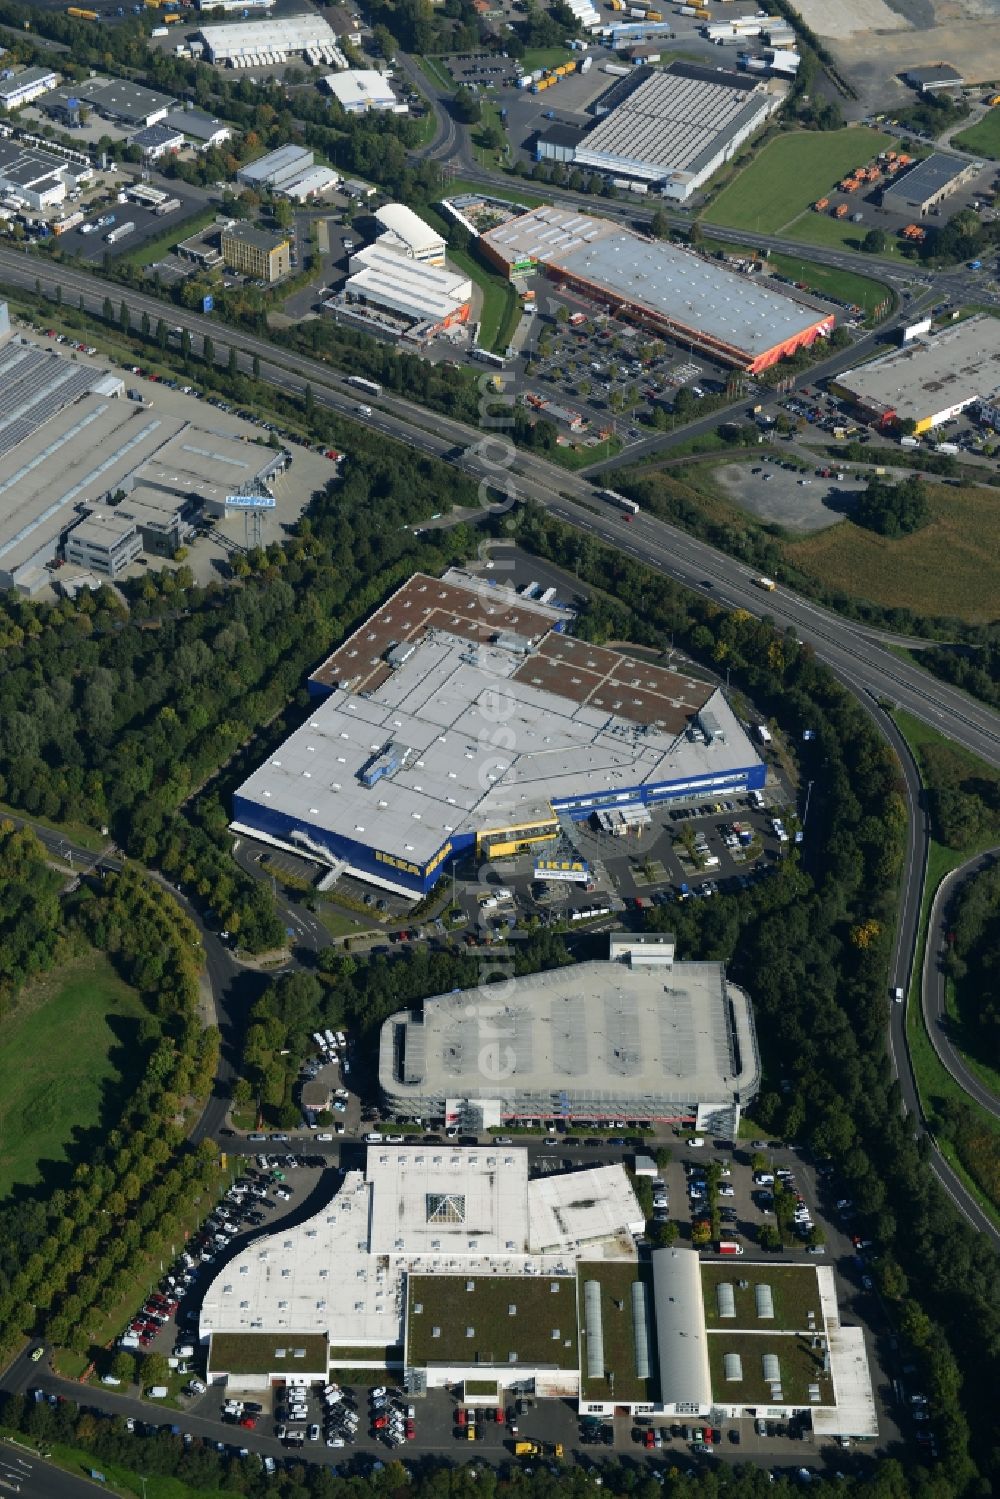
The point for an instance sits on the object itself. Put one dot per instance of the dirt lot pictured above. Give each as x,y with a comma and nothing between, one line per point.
798,501
876,39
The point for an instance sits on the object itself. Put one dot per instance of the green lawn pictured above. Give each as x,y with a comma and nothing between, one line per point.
155,249
69,1042
263,1353
847,286
545,57
984,138
950,567
438,72
789,174
498,299
838,234
794,1293
616,1278
119,1480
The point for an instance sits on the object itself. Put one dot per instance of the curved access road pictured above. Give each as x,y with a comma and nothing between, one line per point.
933,983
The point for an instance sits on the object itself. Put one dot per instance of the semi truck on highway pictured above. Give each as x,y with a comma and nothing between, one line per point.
370,386
629,506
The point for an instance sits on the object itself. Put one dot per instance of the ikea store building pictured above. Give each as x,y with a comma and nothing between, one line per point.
462,716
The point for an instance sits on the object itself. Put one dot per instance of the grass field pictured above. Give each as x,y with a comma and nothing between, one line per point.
983,139
508,194
155,249
837,234
789,175
545,57
498,299
616,1279
950,567
69,1045
847,286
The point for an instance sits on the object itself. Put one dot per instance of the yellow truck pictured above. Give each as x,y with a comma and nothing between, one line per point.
527,1449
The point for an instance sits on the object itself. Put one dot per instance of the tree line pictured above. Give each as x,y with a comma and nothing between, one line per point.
31,931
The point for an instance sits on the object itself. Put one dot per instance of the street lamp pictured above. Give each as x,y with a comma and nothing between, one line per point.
805,812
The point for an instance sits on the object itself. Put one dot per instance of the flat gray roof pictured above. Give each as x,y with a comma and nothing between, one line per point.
438,705
687,290
275,161
930,375
27,76
927,177
116,97
591,1034
675,122
197,124
255,234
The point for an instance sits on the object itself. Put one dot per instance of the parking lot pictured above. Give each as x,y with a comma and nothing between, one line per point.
581,357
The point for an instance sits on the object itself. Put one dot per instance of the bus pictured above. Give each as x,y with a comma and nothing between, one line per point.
370,386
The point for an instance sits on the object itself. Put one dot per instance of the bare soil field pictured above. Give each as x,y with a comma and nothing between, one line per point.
874,40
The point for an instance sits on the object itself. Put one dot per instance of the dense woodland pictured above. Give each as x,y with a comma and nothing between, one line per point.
973,962
30,918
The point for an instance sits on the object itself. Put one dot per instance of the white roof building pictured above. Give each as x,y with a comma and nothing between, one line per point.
361,89
407,234
244,44
437,1209
419,292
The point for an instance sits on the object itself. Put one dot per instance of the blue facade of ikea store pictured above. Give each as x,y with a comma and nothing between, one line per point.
382,864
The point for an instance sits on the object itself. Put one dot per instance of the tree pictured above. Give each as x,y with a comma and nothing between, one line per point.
208,351
875,242
123,1366
768,1237
155,1370
893,509
466,107
660,224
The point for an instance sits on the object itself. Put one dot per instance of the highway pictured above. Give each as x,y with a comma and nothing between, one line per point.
851,649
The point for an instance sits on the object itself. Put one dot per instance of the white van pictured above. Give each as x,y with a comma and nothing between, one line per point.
158,1392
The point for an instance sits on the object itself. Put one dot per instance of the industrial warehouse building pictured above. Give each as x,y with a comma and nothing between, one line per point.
927,183
41,179
289,172
360,90
636,1037
930,379
69,446
21,88
422,298
408,234
454,1268
261,44
673,292
202,131
113,99
396,771
674,128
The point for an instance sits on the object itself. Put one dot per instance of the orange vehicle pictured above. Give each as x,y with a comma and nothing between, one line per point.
820,204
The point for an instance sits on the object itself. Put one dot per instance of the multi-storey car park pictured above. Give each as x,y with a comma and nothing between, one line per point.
637,1037
462,718
454,1268
673,292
